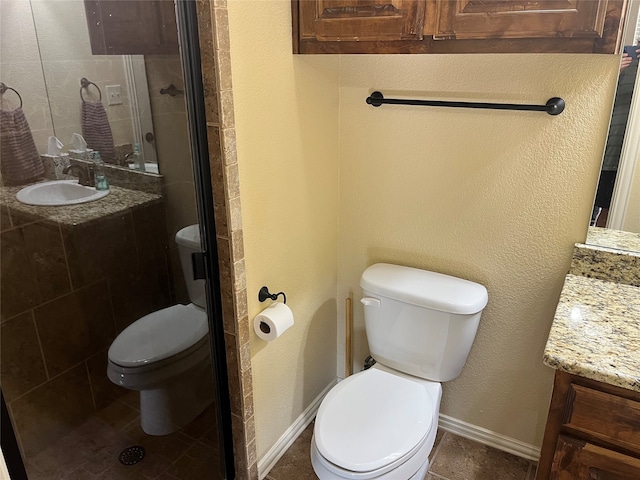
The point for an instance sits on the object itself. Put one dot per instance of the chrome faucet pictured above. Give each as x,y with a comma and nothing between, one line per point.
85,174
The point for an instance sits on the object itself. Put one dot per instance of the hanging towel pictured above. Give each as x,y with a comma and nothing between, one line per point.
19,158
97,131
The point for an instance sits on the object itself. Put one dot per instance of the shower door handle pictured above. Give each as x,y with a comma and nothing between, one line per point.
199,265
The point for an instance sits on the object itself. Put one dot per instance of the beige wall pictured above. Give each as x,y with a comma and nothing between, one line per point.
496,197
65,51
59,52
286,112
21,69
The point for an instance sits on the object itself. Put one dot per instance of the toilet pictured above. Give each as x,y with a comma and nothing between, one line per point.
381,423
166,354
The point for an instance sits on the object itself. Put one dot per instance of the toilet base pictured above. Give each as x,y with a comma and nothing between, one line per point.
166,409
421,474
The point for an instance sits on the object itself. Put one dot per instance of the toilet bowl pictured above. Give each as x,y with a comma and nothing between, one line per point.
377,424
166,356
381,423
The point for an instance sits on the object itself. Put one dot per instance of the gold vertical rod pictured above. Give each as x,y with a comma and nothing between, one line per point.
348,369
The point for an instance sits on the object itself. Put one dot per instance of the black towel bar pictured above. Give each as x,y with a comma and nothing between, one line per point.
554,106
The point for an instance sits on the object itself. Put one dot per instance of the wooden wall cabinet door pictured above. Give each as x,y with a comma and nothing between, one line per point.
579,460
132,27
361,20
457,26
482,19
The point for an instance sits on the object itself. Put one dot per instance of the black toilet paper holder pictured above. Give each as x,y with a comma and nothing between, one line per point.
264,293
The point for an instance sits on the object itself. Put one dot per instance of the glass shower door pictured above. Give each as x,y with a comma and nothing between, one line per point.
78,279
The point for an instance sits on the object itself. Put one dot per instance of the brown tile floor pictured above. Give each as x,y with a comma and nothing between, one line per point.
90,451
452,458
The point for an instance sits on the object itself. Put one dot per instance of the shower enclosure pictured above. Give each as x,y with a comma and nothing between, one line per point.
73,277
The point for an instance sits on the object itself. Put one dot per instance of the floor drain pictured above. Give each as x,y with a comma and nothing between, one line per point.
131,455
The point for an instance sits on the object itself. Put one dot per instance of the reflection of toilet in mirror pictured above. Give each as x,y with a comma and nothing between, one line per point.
166,354
381,423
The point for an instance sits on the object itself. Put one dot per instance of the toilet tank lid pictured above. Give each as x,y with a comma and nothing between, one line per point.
424,288
189,237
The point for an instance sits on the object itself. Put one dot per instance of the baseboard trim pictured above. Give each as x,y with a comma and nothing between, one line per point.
487,437
275,453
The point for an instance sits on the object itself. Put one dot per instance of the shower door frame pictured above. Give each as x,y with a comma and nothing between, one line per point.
188,37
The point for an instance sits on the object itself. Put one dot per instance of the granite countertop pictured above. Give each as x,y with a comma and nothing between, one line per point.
613,239
596,329
606,262
118,201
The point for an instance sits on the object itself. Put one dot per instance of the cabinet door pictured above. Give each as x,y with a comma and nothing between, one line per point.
132,27
361,20
604,417
482,19
578,460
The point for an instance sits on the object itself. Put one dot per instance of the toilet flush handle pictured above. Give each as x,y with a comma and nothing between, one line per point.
371,302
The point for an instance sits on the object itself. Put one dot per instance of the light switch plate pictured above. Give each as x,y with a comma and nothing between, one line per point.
114,95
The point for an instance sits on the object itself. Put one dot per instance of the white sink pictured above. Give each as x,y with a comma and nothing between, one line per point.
58,193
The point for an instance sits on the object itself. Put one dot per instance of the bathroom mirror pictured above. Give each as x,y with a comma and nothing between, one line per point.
616,209
129,86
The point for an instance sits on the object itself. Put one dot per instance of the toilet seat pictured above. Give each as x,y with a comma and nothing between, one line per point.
374,421
159,335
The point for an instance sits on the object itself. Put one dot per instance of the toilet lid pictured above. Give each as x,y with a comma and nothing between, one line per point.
159,335
371,420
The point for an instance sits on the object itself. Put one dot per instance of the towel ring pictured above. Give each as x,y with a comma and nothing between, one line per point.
85,84
4,88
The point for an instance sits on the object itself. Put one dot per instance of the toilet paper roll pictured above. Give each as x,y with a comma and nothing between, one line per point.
273,321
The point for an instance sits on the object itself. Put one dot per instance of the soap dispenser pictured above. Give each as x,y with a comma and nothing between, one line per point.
138,159
98,171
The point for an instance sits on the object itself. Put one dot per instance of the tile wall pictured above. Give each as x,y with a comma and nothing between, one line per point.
67,291
216,72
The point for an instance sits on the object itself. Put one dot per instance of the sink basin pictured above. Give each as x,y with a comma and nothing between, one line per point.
58,193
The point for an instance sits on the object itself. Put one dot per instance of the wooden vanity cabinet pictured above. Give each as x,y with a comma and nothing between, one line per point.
132,27
579,460
592,432
457,26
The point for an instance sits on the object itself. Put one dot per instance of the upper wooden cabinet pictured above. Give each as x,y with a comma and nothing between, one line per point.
480,19
362,20
457,26
132,27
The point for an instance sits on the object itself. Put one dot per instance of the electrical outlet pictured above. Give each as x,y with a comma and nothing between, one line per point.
114,95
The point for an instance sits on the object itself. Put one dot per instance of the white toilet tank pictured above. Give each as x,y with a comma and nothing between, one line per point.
188,240
420,322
